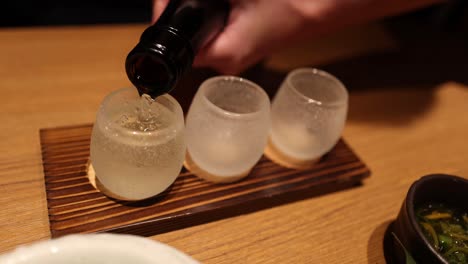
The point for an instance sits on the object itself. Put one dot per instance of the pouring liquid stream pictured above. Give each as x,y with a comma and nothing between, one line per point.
144,117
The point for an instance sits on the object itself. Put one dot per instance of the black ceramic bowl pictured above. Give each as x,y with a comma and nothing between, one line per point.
434,188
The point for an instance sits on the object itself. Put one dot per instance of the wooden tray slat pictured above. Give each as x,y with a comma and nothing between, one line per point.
75,206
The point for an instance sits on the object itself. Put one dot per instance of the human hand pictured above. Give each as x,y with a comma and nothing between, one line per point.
256,28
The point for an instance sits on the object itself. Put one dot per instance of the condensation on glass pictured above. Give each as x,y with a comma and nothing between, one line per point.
227,128
308,115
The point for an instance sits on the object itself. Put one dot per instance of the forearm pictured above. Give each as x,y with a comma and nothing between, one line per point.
329,15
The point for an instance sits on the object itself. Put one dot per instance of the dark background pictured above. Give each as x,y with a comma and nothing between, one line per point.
66,12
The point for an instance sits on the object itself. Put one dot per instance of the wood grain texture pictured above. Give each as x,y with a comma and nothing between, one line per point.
75,206
407,118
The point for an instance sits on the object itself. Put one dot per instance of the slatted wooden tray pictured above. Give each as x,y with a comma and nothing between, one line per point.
75,206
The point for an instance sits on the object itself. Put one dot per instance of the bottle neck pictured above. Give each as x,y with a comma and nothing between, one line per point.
158,61
166,50
198,21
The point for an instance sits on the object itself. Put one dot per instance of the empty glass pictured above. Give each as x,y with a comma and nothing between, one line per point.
308,115
227,128
137,145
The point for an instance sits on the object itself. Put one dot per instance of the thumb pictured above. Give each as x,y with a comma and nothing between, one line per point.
237,46
158,8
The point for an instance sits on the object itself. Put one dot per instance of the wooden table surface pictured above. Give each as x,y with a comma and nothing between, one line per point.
408,117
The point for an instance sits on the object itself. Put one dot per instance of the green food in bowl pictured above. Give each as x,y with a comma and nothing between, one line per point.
446,229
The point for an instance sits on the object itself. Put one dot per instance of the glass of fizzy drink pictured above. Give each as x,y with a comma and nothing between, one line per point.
137,144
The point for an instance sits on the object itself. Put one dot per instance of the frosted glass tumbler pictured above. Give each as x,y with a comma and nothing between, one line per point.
136,157
308,115
227,128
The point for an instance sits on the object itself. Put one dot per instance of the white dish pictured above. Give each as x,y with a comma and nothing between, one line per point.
97,248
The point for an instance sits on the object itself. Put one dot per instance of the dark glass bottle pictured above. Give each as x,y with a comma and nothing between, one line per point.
166,50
